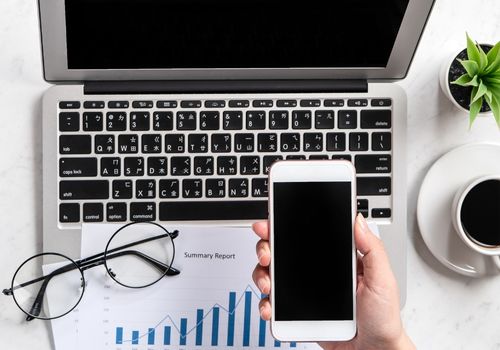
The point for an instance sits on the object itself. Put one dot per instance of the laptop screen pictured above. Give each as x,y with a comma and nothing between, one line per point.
162,34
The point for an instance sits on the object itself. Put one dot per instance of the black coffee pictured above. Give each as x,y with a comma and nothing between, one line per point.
480,214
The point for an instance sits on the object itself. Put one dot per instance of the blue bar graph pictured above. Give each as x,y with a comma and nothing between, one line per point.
119,335
199,327
135,337
183,334
231,318
151,336
246,318
166,335
293,345
277,344
262,333
215,326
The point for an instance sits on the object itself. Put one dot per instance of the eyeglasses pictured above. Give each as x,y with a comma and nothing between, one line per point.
136,256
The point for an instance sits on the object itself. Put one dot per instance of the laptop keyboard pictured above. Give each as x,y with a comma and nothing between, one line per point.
178,160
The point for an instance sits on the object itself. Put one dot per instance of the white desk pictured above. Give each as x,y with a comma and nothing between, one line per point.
443,311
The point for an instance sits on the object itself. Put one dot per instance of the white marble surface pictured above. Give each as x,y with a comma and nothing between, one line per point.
443,311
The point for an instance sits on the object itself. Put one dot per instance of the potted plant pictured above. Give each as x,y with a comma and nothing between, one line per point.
471,80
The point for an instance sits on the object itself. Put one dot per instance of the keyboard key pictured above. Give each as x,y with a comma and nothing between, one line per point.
363,207
69,121
142,104
145,189
213,210
110,166
93,104
174,143
118,104
295,157
157,166
83,189
145,211
342,157
191,104
215,188
198,143
151,143
374,186
75,144
104,144
93,212
278,120
381,213
204,166
163,121
166,104
238,188
267,142
260,187
227,165
232,120
139,121
301,119
77,167
116,121
69,212
310,103
128,143
180,166
92,121
133,166
122,189
373,163
334,103
192,188
69,105
221,143
249,165
376,119
239,103
262,103
290,142
268,161
335,142
348,119
381,141
381,102
215,104
358,141
186,121
256,120
324,120
169,188
286,103
244,142
313,142
358,102
116,212
318,157
209,120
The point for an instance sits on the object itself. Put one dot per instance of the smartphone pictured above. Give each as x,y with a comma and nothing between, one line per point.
313,258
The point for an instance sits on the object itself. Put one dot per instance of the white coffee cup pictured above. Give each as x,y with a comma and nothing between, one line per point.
456,209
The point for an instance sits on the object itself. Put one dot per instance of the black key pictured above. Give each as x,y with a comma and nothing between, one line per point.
93,104
221,143
238,188
118,104
166,104
191,104
358,141
116,121
335,142
267,142
110,166
186,120
334,103
250,165
363,207
215,104
227,165
139,121
133,166
260,187
142,104
145,189
286,103
373,163
122,189
232,120
374,186
93,212
213,210
192,188
77,167
116,212
324,120
157,166
169,188
376,119
180,166
313,142
381,102
244,142
203,166
348,119
84,189
92,121
151,143
290,142
209,120
104,144
301,119
268,161
239,103
342,157
295,157
163,121
69,105
357,102
128,143
75,144
145,211
69,121
381,213
256,120
310,103
381,141
215,188
198,143
318,157
174,143
278,120
69,212
262,103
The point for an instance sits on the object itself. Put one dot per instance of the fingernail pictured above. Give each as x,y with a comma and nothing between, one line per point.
260,254
362,223
261,285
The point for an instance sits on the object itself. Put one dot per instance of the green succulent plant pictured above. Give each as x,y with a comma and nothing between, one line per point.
483,75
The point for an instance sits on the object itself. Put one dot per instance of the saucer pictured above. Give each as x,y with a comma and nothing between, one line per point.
448,174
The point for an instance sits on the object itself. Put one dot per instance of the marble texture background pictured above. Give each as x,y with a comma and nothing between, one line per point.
443,311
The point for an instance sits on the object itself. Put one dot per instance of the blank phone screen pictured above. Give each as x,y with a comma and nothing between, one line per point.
312,251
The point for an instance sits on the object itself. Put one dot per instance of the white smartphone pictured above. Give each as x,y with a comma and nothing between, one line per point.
312,206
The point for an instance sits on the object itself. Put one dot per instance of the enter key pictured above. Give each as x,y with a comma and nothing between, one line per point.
373,164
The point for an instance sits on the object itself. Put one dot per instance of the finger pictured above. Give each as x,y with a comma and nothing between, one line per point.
265,309
261,279
263,252
261,229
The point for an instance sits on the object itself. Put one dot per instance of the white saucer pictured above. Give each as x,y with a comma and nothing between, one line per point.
446,176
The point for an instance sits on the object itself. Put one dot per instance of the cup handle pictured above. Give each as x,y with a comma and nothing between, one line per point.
496,260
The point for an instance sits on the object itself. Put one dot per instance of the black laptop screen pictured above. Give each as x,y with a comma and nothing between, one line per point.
155,34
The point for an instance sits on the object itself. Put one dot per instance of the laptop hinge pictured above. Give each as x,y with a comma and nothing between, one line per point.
224,86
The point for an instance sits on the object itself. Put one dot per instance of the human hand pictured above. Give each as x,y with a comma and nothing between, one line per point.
377,295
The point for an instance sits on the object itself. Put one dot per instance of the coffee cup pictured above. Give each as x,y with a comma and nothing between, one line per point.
476,215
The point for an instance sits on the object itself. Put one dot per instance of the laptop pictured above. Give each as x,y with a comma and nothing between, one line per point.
173,111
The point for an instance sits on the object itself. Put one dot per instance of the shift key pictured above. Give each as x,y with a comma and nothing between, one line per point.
374,186
91,189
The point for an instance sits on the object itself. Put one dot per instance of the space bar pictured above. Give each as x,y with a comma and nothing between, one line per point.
214,210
